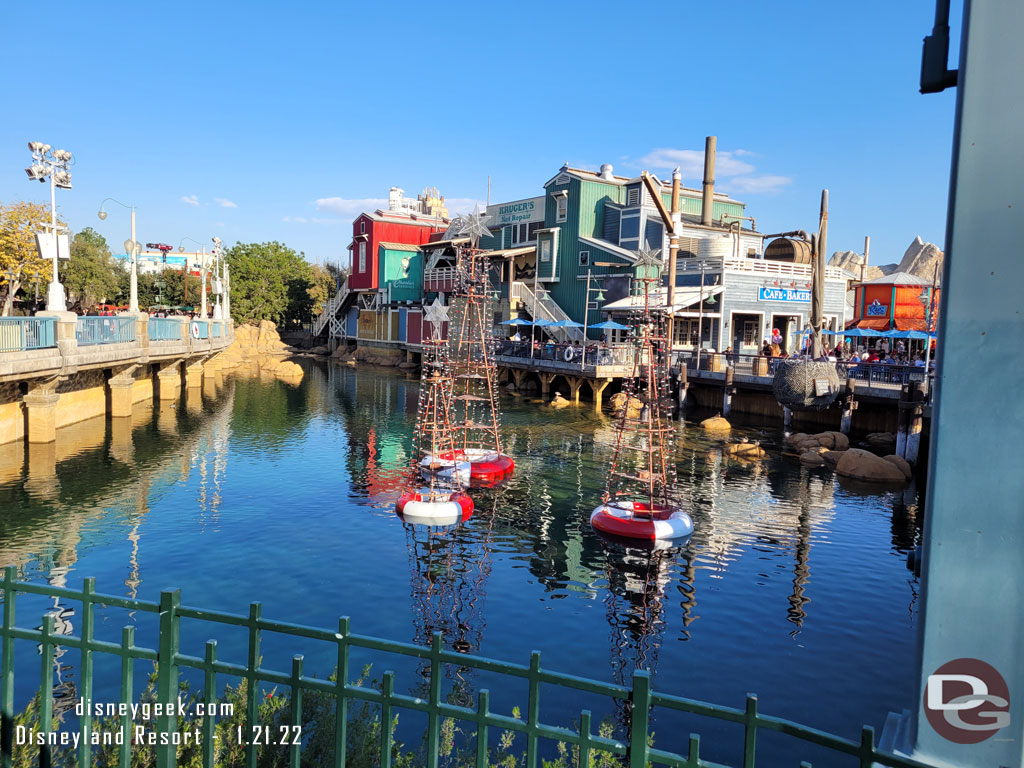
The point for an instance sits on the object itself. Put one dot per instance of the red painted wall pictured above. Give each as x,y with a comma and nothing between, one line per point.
378,232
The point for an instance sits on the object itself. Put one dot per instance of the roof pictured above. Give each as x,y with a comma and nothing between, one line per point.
870,324
401,217
589,175
399,246
897,278
509,253
685,296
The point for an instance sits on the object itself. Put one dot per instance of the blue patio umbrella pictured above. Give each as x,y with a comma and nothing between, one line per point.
567,324
611,325
859,333
542,323
516,321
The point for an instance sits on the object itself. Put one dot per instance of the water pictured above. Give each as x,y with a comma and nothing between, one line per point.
793,585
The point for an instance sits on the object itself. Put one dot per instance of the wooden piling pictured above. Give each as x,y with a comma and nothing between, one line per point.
915,420
728,391
904,422
849,406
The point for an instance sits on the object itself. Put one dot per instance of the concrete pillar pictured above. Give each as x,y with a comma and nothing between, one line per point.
849,406
169,382
42,414
121,392
598,386
545,382
915,419
575,382
194,375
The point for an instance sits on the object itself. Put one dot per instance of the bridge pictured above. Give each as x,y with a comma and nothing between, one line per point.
57,368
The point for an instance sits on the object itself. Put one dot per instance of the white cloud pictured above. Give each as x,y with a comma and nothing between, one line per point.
738,175
190,199
691,162
758,185
225,203
349,208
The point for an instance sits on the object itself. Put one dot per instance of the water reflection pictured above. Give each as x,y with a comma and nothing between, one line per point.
303,480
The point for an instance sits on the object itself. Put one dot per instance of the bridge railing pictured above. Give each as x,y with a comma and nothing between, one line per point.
570,355
104,330
165,328
20,334
477,727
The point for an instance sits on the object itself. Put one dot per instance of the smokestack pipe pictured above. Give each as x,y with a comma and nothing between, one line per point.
867,251
709,179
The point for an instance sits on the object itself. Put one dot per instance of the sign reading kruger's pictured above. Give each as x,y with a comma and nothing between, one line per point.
783,294
516,212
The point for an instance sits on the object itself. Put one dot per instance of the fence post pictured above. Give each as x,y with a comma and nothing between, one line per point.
7,674
640,718
167,674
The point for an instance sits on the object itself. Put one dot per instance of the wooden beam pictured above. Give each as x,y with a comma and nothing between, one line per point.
670,225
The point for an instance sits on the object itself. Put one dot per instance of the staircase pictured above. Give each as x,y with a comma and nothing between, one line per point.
546,309
329,317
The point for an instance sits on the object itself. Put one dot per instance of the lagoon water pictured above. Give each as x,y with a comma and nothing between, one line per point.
793,586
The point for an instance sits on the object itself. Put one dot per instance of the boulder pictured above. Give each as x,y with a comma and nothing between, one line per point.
864,465
321,350
632,405
558,401
743,450
716,424
812,459
883,442
832,457
801,442
289,371
511,387
903,464
407,366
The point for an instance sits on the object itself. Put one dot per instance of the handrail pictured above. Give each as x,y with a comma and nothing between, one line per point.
636,743
21,334
91,330
330,309
547,308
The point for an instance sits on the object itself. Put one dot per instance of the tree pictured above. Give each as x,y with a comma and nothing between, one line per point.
269,281
322,287
20,262
92,275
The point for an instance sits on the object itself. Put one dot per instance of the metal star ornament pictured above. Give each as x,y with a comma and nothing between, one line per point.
647,257
475,226
454,228
435,313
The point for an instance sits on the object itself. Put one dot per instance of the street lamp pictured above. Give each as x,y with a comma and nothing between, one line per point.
132,249
218,272
53,164
926,303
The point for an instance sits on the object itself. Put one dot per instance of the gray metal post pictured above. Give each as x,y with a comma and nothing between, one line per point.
973,607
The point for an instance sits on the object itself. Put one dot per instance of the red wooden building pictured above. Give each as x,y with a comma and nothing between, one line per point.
893,302
369,230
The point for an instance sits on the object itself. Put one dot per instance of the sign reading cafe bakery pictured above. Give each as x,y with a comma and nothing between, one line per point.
517,212
784,294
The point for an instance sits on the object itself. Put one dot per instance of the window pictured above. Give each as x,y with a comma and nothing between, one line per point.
633,196
653,234
751,253
523,228
629,228
545,250
362,257
562,202
584,258
362,226
531,230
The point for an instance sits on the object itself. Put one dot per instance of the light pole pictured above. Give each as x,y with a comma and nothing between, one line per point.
132,249
53,164
926,303
218,272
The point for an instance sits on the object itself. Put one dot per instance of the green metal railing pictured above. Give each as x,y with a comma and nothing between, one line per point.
634,751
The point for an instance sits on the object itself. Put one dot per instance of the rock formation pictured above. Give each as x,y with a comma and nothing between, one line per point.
866,466
920,259
716,424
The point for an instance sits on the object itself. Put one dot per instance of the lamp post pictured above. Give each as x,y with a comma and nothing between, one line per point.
132,249
926,303
218,272
53,164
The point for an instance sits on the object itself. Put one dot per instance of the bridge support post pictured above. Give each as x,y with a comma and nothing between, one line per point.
121,397
575,382
915,419
903,423
684,385
545,381
849,406
41,404
194,375
169,381
598,386
728,391
41,475
518,377
121,447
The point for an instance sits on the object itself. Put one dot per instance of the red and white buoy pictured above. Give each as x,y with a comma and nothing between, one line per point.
434,507
637,520
477,466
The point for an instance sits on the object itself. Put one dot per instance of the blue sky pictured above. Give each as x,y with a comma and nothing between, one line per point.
272,121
